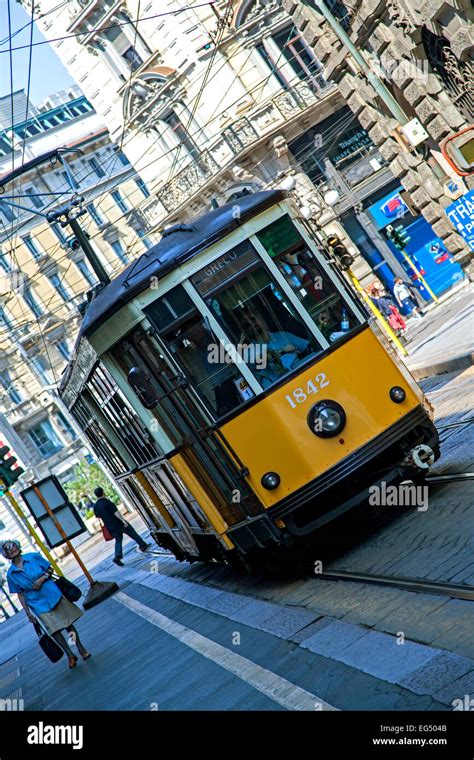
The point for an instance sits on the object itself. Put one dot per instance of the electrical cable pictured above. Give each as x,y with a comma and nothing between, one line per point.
110,26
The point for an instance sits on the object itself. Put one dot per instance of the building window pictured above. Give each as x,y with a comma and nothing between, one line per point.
7,211
300,56
5,319
118,250
121,203
133,58
65,425
95,214
142,186
85,271
455,75
32,302
96,167
145,240
34,197
45,439
43,367
122,158
63,349
59,232
60,287
5,261
175,124
7,384
66,179
32,246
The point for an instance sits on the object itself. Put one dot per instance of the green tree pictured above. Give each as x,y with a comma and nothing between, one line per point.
87,477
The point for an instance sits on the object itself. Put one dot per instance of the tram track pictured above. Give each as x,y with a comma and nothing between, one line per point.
418,585
450,477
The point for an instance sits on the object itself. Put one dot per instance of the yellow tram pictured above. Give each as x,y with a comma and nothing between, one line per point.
236,389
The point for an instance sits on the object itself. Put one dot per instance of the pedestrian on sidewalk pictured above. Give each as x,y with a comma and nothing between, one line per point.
116,524
405,298
29,576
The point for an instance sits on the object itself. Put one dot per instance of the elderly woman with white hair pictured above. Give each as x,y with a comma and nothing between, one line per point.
29,576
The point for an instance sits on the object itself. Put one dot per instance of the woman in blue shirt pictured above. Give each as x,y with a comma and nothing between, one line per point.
29,576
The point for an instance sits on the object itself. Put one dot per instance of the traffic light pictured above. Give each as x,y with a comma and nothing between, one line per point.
340,252
397,236
8,475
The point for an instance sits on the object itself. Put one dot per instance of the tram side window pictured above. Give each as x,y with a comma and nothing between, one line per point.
308,280
254,311
198,352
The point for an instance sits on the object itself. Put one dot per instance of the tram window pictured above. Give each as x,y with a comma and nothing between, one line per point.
324,303
269,334
213,374
170,308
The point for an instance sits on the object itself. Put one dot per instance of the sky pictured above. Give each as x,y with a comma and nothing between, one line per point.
48,75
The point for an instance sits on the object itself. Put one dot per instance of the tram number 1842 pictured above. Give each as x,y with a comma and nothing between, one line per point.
300,395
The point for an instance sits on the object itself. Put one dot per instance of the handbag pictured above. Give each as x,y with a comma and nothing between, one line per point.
106,533
68,589
49,646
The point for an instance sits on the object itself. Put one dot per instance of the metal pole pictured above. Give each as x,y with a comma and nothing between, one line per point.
418,273
377,313
91,255
380,88
33,533
63,535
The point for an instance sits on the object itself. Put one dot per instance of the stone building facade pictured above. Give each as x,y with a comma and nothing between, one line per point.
43,280
422,49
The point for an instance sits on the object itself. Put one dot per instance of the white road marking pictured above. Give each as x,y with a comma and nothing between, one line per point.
275,687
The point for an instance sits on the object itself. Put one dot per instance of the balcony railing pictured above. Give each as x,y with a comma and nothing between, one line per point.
236,138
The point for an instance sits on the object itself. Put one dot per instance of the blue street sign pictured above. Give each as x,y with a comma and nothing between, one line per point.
461,216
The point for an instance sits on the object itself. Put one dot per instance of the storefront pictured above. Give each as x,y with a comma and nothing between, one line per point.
424,249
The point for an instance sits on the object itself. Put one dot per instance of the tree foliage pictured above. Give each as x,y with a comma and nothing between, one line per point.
86,478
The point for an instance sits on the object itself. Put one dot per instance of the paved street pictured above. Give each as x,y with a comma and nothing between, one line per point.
444,339
180,636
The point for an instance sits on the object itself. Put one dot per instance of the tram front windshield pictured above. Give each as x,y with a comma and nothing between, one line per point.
274,314
256,314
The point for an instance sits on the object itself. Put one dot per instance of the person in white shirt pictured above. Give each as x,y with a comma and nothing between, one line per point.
404,298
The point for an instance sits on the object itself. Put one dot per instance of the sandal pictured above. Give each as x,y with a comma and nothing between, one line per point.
86,655
72,661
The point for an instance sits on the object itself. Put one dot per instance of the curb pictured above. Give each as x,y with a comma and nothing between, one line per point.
464,361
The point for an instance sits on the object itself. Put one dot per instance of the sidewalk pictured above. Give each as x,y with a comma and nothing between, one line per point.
443,341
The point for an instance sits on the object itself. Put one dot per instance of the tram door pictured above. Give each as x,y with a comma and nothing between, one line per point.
178,502
162,387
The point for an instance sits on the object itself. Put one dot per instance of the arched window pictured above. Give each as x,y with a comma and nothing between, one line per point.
456,75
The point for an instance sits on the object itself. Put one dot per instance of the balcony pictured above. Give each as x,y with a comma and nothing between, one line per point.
233,142
90,12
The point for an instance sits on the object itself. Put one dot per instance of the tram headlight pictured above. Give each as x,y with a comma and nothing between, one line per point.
397,394
271,480
326,419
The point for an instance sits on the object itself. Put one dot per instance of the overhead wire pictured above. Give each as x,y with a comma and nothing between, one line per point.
106,27
335,128
262,82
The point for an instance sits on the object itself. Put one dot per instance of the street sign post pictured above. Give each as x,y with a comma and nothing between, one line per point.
60,511
461,215
60,522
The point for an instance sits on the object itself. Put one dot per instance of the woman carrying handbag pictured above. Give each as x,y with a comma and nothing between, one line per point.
29,576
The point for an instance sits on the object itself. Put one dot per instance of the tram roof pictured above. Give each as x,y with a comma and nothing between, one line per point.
178,244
